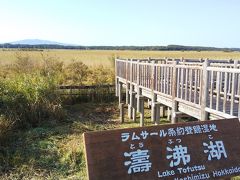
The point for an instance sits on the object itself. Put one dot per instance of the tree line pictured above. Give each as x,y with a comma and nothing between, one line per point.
27,47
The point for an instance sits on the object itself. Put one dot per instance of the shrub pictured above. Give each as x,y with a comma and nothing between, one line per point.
27,99
76,73
50,66
101,75
23,64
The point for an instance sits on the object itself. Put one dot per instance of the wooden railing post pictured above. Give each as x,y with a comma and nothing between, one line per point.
141,111
161,109
174,92
149,59
116,78
234,87
134,107
154,96
166,60
130,106
127,84
120,92
168,113
157,113
121,107
138,84
204,91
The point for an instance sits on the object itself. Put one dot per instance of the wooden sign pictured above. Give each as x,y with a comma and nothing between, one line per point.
195,150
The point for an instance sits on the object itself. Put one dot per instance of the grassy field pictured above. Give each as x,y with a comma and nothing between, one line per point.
100,57
53,149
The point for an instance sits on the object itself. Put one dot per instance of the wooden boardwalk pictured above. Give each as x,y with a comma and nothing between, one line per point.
203,89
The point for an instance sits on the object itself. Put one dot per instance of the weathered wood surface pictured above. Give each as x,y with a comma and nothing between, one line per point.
97,93
119,154
211,87
86,87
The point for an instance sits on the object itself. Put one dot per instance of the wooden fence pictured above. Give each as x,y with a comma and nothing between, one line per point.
96,93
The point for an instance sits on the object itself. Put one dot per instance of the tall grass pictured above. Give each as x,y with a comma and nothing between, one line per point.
28,99
28,88
100,57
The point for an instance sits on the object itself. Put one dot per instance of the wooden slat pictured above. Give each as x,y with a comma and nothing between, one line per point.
178,82
161,78
156,79
182,85
238,80
229,83
167,90
201,81
85,87
225,92
174,89
211,89
190,89
195,86
144,75
223,69
219,113
164,80
221,81
170,83
232,94
149,76
186,84
239,98
218,90
189,67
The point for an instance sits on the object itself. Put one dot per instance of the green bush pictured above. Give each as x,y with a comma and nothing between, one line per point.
28,99
76,73
50,66
101,75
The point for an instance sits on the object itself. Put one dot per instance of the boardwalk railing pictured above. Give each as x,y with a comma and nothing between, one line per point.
204,89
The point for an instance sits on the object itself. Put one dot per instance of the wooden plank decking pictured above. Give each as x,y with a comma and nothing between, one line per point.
203,89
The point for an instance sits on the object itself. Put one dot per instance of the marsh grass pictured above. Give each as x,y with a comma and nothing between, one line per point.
28,99
103,57
51,147
52,150
55,150
28,88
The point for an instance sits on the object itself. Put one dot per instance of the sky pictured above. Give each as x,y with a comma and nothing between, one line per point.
123,22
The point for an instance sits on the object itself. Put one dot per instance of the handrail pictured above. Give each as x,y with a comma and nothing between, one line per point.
208,83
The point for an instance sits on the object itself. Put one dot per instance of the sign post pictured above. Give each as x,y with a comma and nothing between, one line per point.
187,151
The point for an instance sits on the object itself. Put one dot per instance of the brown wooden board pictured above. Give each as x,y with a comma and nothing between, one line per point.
194,150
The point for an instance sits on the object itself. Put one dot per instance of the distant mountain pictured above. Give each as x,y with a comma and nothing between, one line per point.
37,42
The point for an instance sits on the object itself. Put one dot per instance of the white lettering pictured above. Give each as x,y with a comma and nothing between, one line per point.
192,169
166,173
226,172
198,176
